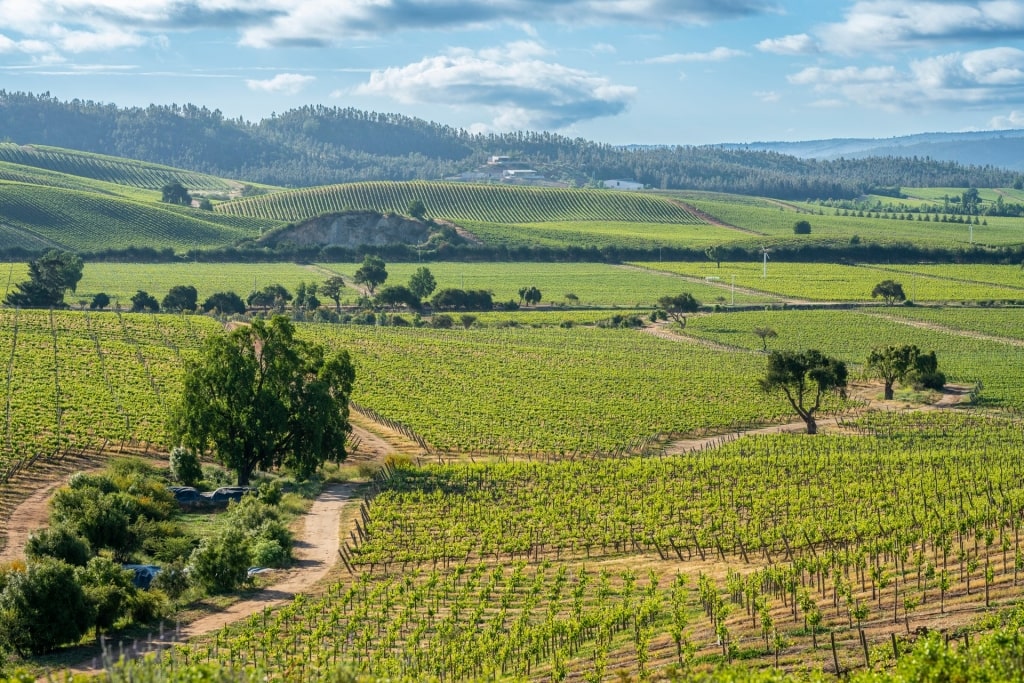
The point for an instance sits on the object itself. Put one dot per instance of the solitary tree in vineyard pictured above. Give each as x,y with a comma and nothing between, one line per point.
262,398
890,291
371,273
678,306
801,375
892,364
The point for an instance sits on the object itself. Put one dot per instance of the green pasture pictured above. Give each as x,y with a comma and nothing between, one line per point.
834,282
850,336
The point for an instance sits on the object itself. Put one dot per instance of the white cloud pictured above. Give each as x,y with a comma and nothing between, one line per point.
1015,119
797,44
981,77
878,24
767,96
281,84
719,54
603,48
325,22
520,89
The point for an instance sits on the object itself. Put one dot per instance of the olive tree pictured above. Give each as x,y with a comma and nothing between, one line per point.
890,291
261,398
892,364
804,378
677,307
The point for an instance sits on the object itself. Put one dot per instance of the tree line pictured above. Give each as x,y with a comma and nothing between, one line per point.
316,145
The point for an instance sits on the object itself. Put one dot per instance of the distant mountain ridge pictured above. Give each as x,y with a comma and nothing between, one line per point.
317,145
999,148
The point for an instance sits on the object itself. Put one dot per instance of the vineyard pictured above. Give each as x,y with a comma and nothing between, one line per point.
75,380
109,169
604,234
775,220
459,201
37,216
580,570
834,282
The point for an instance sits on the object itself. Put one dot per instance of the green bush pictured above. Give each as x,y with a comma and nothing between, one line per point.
185,467
59,543
172,580
44,607
220,563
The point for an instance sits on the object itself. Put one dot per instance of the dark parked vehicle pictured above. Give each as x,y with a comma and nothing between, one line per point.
144,574
185,495
227,493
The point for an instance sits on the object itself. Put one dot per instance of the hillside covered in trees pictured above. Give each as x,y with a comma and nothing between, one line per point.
316,145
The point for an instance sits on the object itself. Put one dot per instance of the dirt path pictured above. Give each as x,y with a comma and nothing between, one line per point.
316,551
728,287
31,515
663,331
935,327
711,220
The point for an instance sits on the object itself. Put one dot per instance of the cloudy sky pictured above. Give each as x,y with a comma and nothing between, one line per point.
617,71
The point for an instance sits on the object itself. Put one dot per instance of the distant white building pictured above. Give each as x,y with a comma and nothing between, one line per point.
623,185
498,160
521,174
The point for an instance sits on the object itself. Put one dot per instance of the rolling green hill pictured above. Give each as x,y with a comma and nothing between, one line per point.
116,170
465,202
38,217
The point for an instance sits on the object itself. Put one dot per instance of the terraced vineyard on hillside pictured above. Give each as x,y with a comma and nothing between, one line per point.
111,169
40,217
458,201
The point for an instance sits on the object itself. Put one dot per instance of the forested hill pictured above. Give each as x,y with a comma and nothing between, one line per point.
317,145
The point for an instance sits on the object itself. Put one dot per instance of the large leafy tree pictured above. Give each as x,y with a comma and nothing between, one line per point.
804,377
373,272
49,277
893,364
260,398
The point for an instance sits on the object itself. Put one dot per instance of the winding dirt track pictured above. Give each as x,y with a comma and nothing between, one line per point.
316,551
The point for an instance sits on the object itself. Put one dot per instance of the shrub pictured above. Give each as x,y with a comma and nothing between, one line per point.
220,563
802,228
59,543
44,607
185,467
172,580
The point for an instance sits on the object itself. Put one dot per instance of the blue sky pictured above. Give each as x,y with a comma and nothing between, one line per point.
617,71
